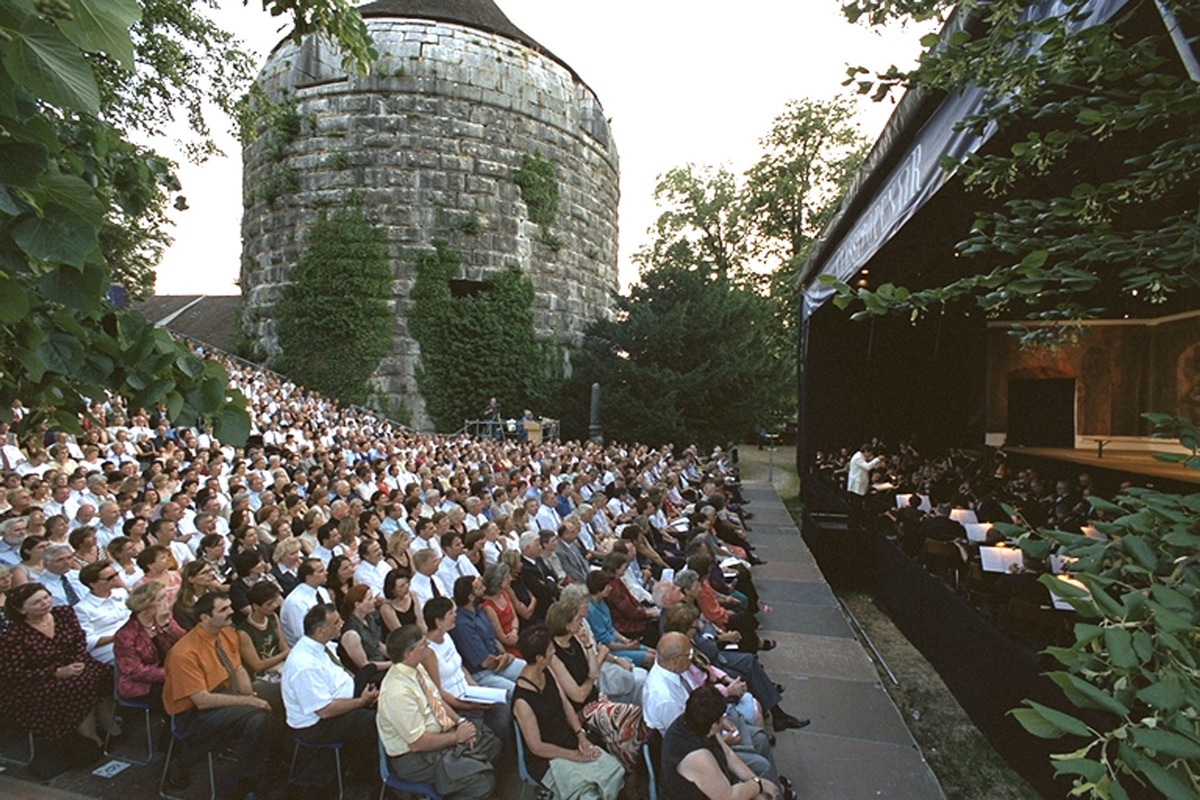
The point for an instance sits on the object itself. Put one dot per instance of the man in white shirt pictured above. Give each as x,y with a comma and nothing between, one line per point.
61,502
59,579
858,479
475,519
109,523
547,517
308,592
102,610
426,538
425,584
318,696
455,563
371,569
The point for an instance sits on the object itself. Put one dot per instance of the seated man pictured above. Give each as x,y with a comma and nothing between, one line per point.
473,635
102,610
424,739
318,695
210,695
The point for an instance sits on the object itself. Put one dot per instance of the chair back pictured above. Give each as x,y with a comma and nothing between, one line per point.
392,781
522,770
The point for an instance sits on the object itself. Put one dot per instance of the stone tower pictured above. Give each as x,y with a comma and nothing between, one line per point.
429,143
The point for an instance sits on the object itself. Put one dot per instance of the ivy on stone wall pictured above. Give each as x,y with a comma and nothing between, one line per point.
478,344
539,189
333,320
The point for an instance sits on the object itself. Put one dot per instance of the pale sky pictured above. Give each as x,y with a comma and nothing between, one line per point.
683,82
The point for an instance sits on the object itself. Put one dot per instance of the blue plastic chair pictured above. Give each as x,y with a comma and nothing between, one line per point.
336,747
527,780
652,782
138,706
393,781
176,736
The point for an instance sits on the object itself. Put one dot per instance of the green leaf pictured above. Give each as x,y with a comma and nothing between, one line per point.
1100,504
1048,723
102,26
41,60
1119,643
1142,553
1084,694
61,353
58,235
14,302
1092,770
232,426
20,163
79,291
1164,695
74,193
1035,259
1162,741
1162,779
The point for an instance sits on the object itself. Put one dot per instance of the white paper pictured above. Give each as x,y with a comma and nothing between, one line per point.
999,559
485,694
963,515
902,502
978,531
111,769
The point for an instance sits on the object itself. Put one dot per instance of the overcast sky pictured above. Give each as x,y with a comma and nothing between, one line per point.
683,82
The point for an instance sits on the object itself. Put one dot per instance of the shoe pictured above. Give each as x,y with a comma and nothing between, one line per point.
779,687
783,722
785,782
771,741
176,776
767,644
756,561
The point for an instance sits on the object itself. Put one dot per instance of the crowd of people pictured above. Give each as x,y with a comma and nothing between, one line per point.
342,579
920,500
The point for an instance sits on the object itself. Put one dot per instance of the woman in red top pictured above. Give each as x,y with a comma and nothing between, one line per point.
631,619
497,579
141,644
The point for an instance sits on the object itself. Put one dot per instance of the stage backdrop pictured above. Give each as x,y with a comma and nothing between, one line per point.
1119,369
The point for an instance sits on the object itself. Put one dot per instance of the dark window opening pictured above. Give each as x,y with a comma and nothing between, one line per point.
465,288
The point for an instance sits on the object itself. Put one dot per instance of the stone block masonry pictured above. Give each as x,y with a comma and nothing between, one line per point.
428,143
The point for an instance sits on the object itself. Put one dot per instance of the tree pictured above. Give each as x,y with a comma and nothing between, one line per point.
1126,226
333,318
690,357
67,169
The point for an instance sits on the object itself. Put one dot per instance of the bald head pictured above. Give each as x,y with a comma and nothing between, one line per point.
674,652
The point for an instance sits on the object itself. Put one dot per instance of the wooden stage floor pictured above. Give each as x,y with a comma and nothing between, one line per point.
1133,462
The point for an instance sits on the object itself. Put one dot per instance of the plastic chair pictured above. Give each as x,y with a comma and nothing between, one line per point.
336,747
139,706
176,736
652,780
392,781
527,780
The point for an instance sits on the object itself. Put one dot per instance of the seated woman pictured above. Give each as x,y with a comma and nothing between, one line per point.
444,664
51,686
31,567
619,726
141,644
340,579
122,551
697,764
557,750
83,542
362,646
524,603
500,610
261,643
155,562
198,580
634,621
599,617
400,606
619,678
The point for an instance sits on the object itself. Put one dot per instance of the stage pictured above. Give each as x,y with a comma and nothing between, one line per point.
1110,469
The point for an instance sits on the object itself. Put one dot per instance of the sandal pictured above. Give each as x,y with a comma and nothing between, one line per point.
767,644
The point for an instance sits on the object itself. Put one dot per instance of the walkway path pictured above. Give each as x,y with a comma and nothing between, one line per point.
857,746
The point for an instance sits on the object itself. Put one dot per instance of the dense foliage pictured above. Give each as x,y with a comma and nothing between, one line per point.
1124,223
692,356
80,202
333,319
478,345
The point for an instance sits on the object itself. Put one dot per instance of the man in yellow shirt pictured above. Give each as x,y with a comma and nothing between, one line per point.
424,738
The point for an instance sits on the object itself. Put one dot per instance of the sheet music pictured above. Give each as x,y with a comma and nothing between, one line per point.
999,559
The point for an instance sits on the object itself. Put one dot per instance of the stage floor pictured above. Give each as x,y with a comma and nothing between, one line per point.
1134,462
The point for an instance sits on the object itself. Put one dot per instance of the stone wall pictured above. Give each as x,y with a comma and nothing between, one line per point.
429,143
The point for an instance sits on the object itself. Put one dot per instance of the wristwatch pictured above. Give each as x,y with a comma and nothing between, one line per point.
758,780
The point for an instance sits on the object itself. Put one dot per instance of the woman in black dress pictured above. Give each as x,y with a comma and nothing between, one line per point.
696,762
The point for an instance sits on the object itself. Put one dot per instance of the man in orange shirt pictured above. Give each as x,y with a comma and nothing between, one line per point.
212,699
